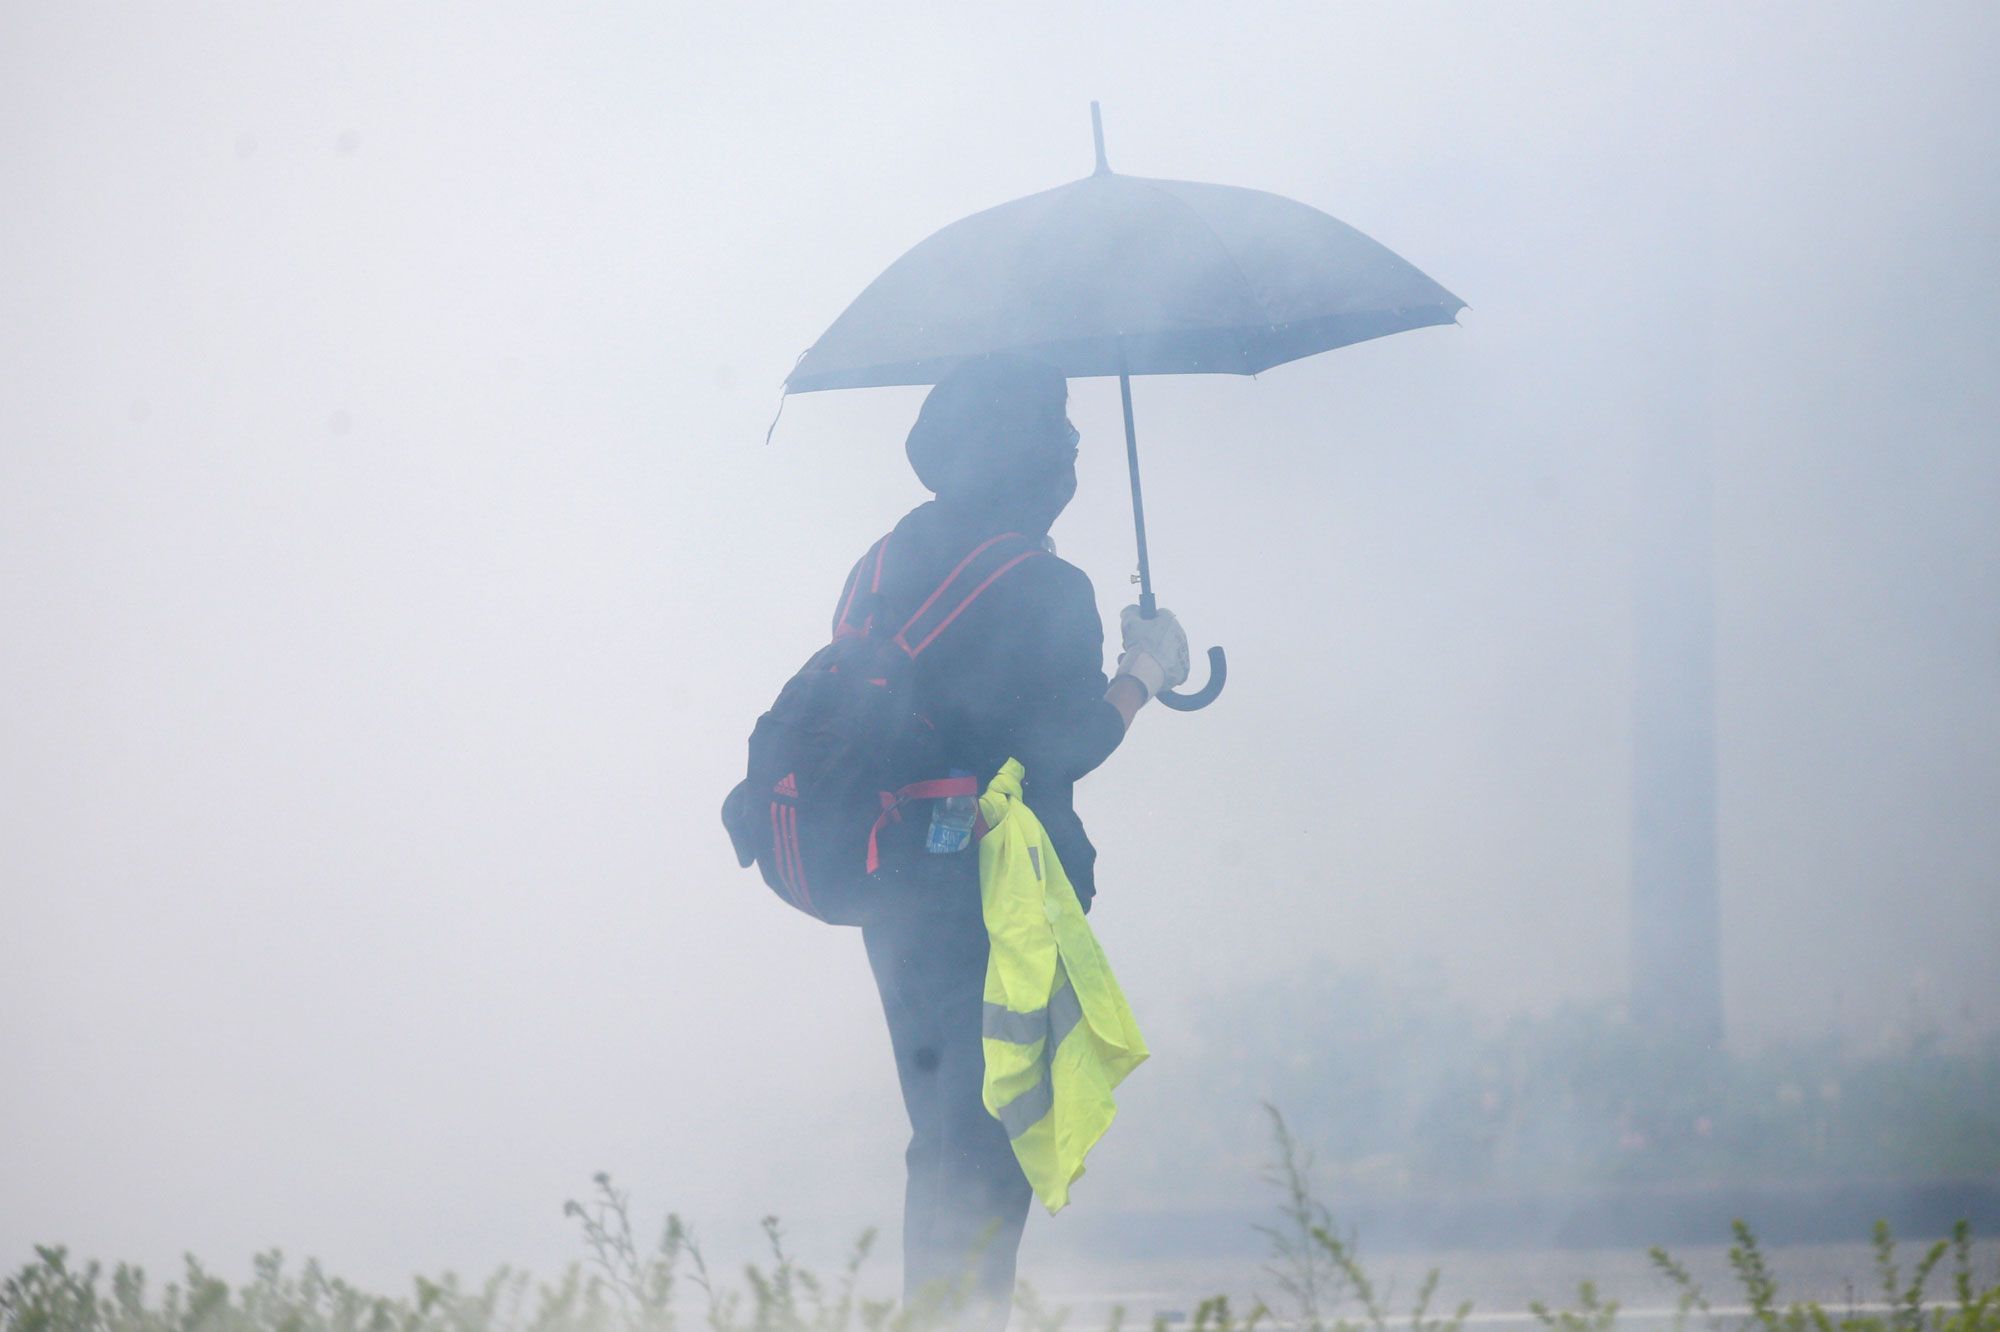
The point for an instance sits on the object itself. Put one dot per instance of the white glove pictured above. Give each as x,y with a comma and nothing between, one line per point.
1156,650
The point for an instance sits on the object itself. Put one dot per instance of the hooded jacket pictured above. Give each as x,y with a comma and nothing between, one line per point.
1019,675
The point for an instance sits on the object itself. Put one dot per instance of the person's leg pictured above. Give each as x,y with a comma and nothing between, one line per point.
985,1196
967,1201
894,955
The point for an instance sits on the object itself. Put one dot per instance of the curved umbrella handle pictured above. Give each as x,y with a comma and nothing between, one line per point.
1218,675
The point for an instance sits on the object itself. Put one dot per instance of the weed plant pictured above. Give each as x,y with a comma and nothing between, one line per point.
626,1286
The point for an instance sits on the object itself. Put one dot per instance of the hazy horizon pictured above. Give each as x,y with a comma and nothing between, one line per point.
394,565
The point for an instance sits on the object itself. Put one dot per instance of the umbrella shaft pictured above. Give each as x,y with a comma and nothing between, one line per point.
1146,604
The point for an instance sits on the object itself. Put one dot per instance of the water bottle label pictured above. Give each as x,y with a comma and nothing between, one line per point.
951,822
946,839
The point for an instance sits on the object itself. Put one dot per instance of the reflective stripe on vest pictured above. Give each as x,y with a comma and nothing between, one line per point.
1052,1026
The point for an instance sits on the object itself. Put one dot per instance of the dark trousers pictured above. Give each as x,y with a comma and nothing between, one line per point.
966,1201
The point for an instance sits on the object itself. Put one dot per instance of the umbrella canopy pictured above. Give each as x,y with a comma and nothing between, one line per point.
1119,273
1122,275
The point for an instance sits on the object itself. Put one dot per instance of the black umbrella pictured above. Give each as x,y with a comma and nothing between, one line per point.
1123,275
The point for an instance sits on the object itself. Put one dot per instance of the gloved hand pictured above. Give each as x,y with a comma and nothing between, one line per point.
1156,650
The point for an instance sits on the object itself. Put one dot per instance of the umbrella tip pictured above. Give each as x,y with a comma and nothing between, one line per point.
1097,133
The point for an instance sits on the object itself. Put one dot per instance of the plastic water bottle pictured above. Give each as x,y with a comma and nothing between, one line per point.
951,822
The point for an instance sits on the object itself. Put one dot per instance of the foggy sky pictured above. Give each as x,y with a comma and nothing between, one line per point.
392,565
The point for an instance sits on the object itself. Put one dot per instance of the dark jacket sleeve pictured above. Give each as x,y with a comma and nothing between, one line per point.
1067,727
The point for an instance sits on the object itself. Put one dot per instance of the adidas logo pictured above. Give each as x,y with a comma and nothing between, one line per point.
788,786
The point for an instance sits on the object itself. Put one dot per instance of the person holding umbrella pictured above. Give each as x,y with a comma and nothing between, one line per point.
1019,675
1113,276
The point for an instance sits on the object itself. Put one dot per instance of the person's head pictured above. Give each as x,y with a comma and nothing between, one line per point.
994,438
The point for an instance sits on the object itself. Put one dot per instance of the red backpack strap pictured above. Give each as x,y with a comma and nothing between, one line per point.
962,586
868,570
938,788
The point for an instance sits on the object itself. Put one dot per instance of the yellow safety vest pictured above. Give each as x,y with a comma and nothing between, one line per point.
1057,1032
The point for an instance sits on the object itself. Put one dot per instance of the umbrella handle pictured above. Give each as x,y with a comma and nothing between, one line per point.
1218,675
1218,665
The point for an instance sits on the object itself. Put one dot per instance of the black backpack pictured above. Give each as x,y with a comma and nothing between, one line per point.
843,753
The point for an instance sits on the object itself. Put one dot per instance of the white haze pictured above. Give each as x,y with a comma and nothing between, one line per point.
391,564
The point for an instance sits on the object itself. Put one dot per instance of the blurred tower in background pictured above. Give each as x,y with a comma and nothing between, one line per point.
1676,973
